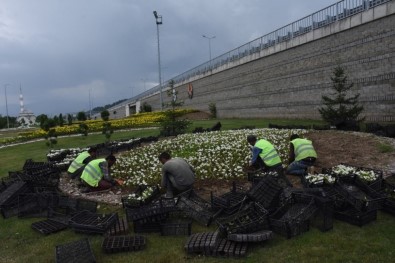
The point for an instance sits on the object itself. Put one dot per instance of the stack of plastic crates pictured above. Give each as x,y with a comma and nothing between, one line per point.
92,223
9,198
231,201
362,201
202,243
148,218
388,191
293,217
196,207
266,192
252,218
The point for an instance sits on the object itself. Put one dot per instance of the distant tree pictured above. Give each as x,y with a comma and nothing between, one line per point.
61,120
69,119
48,124
83,129
340,108
107,130
213,110
41,119
105,115
171,124
56,120
51,138
81,116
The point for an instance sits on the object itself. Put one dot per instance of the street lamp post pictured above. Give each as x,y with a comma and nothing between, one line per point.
209,45
6,104
159,22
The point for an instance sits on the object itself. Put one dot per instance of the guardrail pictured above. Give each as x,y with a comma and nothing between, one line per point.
321,18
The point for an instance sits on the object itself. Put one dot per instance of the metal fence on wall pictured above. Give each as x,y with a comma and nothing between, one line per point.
321,18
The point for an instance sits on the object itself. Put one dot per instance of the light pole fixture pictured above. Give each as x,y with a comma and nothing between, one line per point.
209,44
159,22
6,104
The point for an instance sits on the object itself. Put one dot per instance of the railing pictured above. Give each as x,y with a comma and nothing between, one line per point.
321,18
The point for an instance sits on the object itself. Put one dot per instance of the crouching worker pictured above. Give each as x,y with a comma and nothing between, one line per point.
264,155
96,175
301,155
78,164
177,175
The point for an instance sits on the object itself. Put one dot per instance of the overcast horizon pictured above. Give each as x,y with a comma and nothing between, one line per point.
60,52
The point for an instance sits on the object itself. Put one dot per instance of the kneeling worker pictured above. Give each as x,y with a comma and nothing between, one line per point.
78,164
264,155
96,174
301,155
177,175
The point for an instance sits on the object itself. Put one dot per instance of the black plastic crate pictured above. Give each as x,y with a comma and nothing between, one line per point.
12,192
92,223
116,244
266,192
78,251
158,207
231,201
228,248
137,199
36,204
48,226
121,227
355,217
196,207
149,224
360,195
176,228
252,218
293,218
252,237
205,243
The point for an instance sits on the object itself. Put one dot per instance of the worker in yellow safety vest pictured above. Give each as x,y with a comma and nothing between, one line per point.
78,164
302,155
264,156
96,175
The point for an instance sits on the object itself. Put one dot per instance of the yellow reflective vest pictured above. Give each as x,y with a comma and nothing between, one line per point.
303,148
92,173
78,162
269,154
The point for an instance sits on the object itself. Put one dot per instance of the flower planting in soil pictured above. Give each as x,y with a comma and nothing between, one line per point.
214,155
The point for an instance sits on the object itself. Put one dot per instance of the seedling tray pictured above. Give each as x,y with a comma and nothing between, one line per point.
251,219
78,251
176,228
252,237
48,226
152,225
116,244
121,227
355,217
205,243
92,223
228,248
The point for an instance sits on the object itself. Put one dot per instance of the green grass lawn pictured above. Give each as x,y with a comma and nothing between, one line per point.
344,243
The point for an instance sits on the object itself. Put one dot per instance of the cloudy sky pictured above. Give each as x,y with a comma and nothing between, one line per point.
60,51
